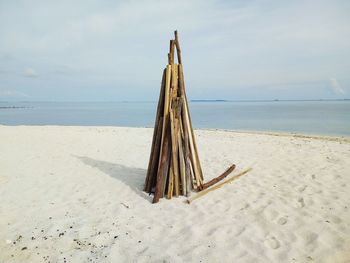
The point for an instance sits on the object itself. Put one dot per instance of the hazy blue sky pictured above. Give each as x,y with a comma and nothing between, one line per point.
116,50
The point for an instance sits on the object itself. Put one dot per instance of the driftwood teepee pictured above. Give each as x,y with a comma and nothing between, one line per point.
174,168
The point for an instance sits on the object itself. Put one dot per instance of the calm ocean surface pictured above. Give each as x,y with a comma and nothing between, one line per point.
310,117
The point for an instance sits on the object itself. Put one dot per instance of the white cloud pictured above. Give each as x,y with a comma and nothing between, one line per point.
232,43
337,89
30,73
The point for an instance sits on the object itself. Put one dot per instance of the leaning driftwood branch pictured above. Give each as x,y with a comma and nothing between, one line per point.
204,192
218,179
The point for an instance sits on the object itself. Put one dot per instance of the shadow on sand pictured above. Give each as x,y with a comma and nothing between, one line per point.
133,177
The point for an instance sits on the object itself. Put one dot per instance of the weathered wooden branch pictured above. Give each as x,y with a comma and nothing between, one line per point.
204,192
218,179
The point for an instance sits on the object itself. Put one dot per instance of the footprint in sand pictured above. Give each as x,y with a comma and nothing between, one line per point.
282,221
302,188
272,243
309,238
300,203
336,219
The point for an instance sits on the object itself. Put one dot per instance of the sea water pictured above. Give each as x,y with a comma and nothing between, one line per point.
309,117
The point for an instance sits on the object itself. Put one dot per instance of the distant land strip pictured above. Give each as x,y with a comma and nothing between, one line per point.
277,100
13,107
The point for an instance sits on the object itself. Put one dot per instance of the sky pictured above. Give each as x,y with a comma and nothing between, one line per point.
116,50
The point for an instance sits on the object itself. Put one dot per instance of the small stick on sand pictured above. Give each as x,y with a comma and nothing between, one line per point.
200,194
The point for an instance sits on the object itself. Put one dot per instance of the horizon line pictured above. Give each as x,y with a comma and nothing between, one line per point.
191,100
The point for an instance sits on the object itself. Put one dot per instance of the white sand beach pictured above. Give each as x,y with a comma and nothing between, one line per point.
74,194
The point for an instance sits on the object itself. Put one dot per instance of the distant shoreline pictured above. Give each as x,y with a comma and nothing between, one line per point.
275,100
296,134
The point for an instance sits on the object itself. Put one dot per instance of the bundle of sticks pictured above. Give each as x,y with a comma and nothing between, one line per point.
174,168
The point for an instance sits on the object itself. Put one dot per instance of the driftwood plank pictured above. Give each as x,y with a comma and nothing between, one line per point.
181,166
193,158
177,115
185,158
198,168
171,52
155,148
167,91
174,163
174,82
178,49
163,162
155,158
183,93
174,121
165,114
186,147
177,45
170,184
